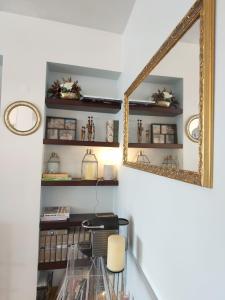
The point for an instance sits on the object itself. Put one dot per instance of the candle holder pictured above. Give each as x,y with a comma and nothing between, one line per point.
89,167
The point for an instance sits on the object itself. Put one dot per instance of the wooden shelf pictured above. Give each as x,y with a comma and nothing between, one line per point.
74,220
80,143
62,264
86,104
158,146
149,110
79,182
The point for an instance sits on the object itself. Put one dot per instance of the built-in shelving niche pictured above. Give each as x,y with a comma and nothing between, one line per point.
95,84
82,196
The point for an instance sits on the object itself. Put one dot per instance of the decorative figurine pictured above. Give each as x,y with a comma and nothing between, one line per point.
147,136
83,133
140,129
90,129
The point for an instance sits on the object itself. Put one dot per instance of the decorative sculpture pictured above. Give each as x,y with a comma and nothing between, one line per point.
140,129
90,129
83,133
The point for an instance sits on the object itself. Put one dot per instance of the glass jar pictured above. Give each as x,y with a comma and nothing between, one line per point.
142,158
53,165
89,168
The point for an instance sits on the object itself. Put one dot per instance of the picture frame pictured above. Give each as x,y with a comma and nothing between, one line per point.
156,129
55,123
158,139
66,134
70,124
52,134
58,128
170,139
163,133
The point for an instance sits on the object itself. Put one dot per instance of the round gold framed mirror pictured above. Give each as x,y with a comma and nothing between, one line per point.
192,128
22,118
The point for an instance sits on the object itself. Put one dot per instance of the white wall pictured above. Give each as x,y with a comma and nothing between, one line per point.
1,61
178,229
26,45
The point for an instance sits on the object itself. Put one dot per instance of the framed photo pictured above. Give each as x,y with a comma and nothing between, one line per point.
156,129
170,139
70,124
171,129
164,129
66,134
52,134
61,128
56,123
164,133
159,139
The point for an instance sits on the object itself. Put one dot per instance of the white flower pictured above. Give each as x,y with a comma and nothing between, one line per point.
67,85
167,95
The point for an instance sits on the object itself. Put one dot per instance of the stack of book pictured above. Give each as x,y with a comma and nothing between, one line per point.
56,177
55,213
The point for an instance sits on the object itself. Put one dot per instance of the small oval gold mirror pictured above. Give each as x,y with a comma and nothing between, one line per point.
192,128
22,118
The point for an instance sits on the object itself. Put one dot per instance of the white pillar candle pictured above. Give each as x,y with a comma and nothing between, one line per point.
109,172
116,253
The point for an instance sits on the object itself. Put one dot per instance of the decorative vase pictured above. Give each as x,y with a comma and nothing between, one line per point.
69,95
163,103
89,168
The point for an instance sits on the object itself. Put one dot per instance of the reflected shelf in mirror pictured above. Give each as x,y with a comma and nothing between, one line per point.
177,82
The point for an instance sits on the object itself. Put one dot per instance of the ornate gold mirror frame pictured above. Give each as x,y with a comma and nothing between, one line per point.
205,10
15,105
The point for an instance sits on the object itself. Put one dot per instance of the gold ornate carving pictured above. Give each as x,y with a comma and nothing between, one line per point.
205,10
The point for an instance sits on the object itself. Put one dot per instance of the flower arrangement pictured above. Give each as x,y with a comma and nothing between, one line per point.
164,98
66,89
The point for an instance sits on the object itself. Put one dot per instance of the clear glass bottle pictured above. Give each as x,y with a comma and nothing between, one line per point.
89,167
53,165
142,158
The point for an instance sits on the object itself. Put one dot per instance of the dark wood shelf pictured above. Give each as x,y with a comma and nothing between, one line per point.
79,182
149,110
80,143
62,264
74,220
86,104
158,146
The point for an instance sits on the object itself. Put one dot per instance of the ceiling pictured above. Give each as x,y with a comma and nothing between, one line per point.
107,15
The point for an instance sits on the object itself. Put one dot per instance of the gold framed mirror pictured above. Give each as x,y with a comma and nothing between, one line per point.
22,118
192,128
177,83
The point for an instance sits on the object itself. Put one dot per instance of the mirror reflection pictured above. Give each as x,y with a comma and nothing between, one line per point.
160,107
22,118
192,129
